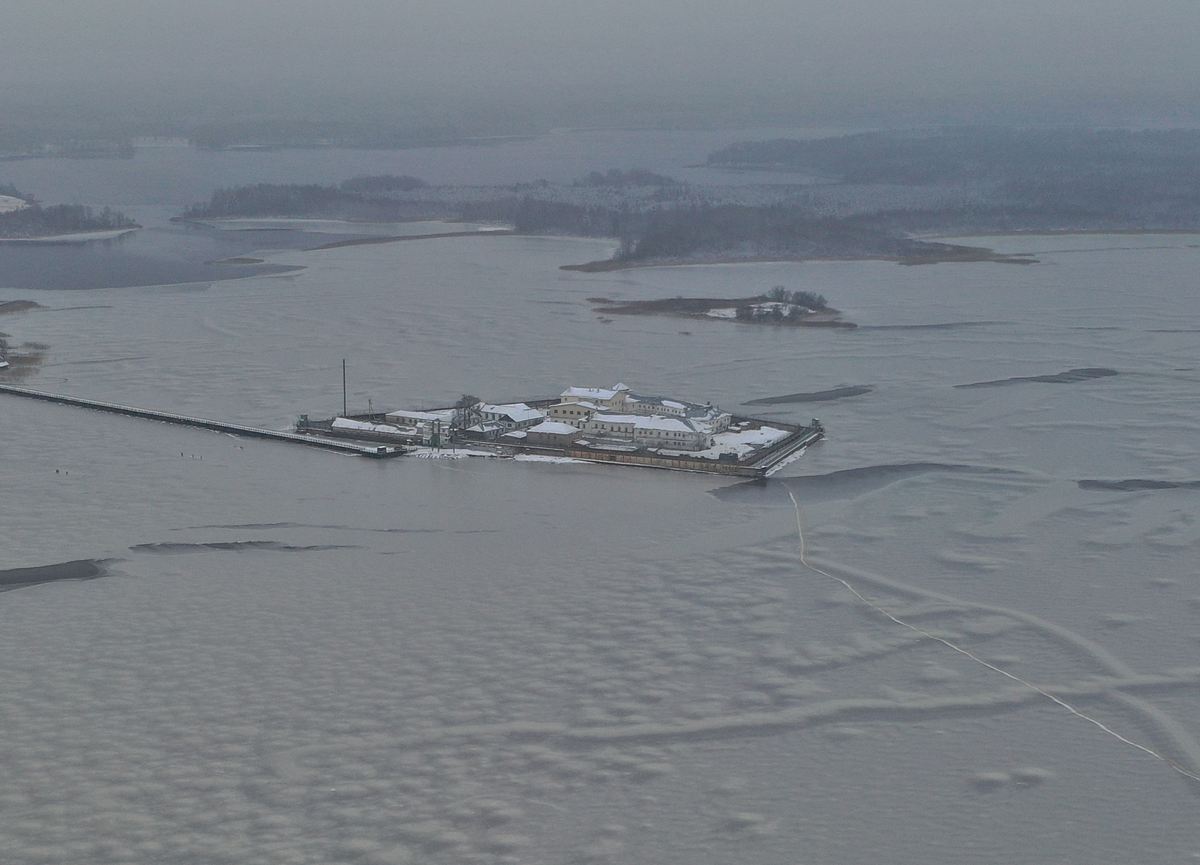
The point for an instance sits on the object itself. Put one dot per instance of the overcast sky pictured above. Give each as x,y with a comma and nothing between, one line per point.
1045,55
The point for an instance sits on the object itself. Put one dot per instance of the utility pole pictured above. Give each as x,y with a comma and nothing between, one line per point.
345,411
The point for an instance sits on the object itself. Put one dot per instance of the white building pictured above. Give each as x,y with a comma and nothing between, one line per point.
610,398
706,417
426,424
573,412
649,431
510,416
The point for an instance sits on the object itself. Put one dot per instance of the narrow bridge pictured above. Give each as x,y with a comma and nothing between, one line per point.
374,452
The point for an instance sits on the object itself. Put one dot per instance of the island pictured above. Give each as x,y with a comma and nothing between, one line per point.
366,198
777,307
890,196
655,219
610,425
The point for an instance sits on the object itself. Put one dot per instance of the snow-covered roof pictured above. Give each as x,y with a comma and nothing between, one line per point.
517,434
655,422
517,411
362,425
588,405
667,424
673,404
417,415
622,418
553,427
588,393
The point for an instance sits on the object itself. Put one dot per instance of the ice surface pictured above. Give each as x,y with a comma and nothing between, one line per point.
468,660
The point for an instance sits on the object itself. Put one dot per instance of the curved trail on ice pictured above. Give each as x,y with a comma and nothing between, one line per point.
1168,728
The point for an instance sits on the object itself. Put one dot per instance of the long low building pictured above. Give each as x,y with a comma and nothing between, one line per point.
648,430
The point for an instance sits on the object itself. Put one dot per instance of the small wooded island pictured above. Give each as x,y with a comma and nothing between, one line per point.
23,218
778,306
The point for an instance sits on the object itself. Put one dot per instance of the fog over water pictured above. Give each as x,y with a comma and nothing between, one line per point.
297,656
532,62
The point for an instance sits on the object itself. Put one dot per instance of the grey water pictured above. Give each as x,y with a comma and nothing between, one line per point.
297,656
158,254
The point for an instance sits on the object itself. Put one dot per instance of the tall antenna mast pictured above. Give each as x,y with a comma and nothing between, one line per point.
345,411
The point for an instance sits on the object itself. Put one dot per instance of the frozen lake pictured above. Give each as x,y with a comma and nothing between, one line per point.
303,657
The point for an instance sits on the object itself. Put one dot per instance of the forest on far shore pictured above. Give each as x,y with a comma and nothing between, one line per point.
35,220
876,193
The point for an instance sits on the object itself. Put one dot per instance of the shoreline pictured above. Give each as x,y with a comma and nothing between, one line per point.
78,237
1063,232
367,241
984,255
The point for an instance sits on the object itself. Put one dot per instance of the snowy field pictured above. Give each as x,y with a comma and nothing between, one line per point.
9,203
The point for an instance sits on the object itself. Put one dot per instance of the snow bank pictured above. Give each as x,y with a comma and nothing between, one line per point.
448,454
742,442
9,203
539,458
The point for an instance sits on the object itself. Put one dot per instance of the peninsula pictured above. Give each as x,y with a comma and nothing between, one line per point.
22,218
656,220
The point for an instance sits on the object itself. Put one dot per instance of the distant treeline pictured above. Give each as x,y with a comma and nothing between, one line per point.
38,221
727,231
1030,178
653,229
277,134
615,177
973,153
529,215
356,198
741,231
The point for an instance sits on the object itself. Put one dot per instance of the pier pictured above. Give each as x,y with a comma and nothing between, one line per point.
374,452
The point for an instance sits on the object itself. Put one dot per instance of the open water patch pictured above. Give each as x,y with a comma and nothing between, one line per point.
152,256
235,547
1132,485
1071,376
816,396
80,569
